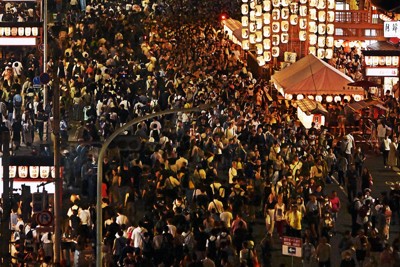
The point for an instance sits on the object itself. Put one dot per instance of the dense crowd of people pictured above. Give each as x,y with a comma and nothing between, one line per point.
190,190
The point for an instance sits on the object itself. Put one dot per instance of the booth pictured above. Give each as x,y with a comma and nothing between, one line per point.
314,77
309,111
233,28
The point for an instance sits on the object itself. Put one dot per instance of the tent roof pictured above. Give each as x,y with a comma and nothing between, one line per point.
309,106
366,103
312,76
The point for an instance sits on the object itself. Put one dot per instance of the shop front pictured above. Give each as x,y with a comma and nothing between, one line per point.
381,61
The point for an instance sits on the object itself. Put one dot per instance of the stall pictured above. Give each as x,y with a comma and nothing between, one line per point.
311,111
313,77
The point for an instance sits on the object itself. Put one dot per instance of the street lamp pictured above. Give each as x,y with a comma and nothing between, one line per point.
107,142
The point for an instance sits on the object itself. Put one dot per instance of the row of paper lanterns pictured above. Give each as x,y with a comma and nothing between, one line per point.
328,98
42,172
19,31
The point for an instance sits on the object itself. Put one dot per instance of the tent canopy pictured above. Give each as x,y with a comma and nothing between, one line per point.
309,106
366,104
312,76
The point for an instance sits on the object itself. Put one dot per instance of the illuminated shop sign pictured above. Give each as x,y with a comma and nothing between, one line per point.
385,72
391,29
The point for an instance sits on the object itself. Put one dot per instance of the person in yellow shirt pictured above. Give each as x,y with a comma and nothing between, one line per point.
293,219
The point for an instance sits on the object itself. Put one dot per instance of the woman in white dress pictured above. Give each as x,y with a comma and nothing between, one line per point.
392,158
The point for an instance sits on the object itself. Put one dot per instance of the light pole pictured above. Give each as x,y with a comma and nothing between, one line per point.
107,142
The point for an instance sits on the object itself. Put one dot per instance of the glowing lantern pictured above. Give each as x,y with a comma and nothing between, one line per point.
260,61
388,60
267,18
276,3
285,26
330,29
259,37
337,99
312,27
21,31
252,38
245,21
294,19
267,56
267,31
258,10
267,44
302,35
275,39
275,51
22,171
321,41
312,50
329,53
245,33
395,60
245,9
276,14
347,97
300,97
35,31
321,29
357,97
321,53
329,98
313,13
245,44
288,96
329,41
311,97
33,171
285,13
44,172
284,38
267,5
313,39
330,17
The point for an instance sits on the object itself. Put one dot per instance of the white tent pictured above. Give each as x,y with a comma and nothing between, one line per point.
312,76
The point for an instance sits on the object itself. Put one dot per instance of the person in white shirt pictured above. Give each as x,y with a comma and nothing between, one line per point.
121,218
137,237
226,217
385,150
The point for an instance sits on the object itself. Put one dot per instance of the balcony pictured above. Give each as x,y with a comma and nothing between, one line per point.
355,25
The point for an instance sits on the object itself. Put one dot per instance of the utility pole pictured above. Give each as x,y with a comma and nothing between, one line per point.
57,178
5,220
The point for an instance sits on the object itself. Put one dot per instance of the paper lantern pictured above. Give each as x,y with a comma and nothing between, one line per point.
252,38
245,44
276,3
337,99
313,39
260,61
312,50
44,172
14,31
294,19
34,171
252,15
321,4
267,5
267,31
21,31
329,41
288,96
357,97
303,10
303,23
245,21
311,97
330,16
347,97
259,37
252,27
13,171
312,27
303,1
321,29
388,60
2,31
284,38
330,29
328,53
321,53
53,171
313,14
245,9
275,51
321,41
395,60
321,16
28,31
258,10
382,60
275,39
259,49
267,56
252,5
329,98
267,44
302,35
7,31
318,98
245,33
276,14
331,4
35,31
285,26
375,61
267,18
300,97
285,3
368,60
313,3
244,1
294,7
285,13
22,171
259,23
